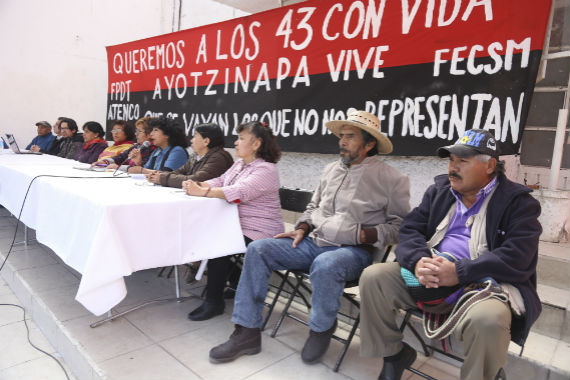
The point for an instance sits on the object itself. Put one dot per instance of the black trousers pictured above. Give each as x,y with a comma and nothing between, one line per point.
218,271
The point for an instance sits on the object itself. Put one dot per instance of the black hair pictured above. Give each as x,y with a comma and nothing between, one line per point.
213,132
94,127
71,124
499,168
369,138
175,133
127,128
269,150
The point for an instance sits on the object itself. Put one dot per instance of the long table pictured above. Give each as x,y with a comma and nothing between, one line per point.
108,227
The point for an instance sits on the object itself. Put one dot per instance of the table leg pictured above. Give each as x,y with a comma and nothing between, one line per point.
201,269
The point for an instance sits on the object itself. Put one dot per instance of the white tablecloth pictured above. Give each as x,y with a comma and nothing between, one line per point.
107,228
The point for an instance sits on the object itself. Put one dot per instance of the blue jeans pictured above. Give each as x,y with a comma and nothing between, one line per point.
329,268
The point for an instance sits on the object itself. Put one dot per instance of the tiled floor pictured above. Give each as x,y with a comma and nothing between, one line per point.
158,341
19,360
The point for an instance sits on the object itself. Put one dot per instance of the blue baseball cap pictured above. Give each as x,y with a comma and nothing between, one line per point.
473,142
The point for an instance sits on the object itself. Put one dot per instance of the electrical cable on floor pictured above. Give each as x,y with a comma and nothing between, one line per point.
12,246
30,341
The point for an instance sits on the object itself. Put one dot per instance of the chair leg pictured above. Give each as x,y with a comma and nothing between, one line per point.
286,310
347,344
405,323
275,298
418,336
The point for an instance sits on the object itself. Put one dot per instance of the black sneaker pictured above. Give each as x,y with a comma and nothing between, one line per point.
317,345
395,365
243,341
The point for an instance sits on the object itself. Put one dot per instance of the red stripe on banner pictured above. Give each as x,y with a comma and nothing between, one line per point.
337,37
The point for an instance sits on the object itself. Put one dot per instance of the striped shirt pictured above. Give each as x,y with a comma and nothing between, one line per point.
255,188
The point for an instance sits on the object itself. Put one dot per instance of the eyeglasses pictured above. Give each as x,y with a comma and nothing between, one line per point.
116,130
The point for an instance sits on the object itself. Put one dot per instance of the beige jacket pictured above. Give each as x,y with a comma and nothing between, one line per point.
371,194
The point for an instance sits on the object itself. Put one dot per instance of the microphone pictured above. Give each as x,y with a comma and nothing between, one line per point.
145,145
141,147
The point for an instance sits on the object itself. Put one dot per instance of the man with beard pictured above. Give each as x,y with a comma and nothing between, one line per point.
356,209
489,226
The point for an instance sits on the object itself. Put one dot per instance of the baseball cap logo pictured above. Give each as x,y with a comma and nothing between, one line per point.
491,144
465,139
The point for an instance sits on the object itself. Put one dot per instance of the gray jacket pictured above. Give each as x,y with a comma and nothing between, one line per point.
371,194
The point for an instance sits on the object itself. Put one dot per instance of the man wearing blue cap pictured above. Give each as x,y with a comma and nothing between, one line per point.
471,224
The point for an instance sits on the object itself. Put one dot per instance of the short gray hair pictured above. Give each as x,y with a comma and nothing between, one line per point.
499,168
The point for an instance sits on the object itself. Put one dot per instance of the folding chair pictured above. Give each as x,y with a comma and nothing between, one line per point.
301,282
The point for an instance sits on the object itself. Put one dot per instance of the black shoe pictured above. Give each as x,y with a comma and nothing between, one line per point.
207,310
317,345
229,293
243,341
395,365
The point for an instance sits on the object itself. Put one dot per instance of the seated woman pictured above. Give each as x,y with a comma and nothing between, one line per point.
93,134
123,136
253,183
133,159
208,161
171,143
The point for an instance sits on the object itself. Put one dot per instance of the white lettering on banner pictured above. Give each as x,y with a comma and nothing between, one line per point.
368,21
202,52
150,113
408,16
248,55
156,94
302,74
284,29
348,57
437,116
219,56
123,111
121,90
449,121
240,77
213,74
155,57
179,85
456,67
238,44
192,120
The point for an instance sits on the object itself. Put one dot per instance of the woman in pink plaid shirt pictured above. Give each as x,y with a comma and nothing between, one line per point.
253,183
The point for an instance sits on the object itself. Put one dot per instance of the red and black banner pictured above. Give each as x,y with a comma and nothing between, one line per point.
429,69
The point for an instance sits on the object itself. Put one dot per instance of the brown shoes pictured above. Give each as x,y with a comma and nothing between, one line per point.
243,341
317,345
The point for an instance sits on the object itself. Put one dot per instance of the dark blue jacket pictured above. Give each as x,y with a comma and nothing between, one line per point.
44,142
512,238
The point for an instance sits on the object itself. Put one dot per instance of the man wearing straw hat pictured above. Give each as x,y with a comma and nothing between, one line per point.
356,209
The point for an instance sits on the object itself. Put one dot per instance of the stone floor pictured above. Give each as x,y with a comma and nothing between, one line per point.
155,342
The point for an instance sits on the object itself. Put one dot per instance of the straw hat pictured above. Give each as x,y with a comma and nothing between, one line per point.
367,122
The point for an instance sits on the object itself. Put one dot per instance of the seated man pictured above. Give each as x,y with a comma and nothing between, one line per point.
71,139
357,206
55,145
490,225
44,139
